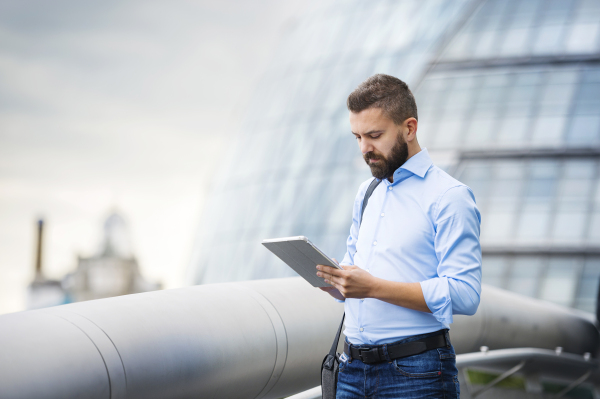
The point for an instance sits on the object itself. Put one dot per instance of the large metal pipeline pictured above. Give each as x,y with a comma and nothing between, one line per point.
259,339
508,320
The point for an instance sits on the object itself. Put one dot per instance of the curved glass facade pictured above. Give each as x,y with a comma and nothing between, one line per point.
509,103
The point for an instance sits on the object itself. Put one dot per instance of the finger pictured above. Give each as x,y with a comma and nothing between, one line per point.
331,270
338,287
333,280
324,275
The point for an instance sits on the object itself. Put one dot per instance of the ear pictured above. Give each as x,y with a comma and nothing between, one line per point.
411,129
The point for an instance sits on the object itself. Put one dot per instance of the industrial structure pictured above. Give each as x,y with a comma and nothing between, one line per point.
112,271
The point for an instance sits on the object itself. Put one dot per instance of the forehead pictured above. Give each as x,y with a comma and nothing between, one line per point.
369,119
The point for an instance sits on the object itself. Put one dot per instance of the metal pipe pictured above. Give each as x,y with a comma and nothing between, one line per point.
259,339
508,320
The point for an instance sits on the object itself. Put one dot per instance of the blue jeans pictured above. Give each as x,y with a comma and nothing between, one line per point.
431,374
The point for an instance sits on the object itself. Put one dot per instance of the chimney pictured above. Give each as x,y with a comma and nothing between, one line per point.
38,257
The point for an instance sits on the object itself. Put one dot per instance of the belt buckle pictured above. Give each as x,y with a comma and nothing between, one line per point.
368,355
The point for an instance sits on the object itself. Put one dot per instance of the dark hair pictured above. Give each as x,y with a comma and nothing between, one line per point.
386,92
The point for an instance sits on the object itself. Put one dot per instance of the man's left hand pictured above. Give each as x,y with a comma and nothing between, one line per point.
352,282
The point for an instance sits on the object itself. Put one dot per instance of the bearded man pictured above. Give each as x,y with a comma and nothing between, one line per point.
415,263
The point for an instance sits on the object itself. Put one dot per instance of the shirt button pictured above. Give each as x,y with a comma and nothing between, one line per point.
362,329
362,299
383,214
375,243
390,188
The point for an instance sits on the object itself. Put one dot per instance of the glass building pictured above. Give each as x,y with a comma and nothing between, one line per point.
509,103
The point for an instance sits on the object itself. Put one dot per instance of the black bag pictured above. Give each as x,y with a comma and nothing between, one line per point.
331,363
330,367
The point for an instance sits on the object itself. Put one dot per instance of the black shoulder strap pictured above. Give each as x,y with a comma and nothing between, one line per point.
370,190
337,338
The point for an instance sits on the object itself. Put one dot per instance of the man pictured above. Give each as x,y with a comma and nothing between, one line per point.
412,262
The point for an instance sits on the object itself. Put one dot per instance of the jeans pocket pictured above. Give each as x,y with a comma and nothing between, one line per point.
342,362
424,365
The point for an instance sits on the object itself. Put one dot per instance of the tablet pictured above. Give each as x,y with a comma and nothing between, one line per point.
301,255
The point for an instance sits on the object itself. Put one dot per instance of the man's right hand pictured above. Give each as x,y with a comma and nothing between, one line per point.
333,292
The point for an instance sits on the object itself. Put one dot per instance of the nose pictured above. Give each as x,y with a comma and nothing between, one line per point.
365,146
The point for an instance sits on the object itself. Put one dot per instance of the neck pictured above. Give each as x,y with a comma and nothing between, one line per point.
413,149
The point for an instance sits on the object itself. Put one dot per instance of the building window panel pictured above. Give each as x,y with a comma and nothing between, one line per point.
534,222
594,233
584,130
497,225
541,189
513,131
516,42
587,292
588,11
485,46
569,226
556,97
494,270
522,97
592,75
588,99
548,131
525,14
575,191
480,132
548,39
460,46
450,135
560,281
558,11
583,38
525,275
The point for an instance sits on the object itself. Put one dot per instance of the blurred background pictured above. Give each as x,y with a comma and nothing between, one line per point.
119,107
164,142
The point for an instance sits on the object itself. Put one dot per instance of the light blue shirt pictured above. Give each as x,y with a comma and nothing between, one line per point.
423,227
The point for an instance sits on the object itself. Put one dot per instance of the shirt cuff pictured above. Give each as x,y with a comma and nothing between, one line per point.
437,297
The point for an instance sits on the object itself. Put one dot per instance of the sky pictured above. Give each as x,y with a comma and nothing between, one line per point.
120,106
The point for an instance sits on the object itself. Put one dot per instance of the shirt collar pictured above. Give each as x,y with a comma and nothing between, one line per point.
418,164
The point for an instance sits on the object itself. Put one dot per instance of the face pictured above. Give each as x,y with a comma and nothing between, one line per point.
380,140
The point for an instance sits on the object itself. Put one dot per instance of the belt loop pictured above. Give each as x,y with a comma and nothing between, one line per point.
447,336
386,355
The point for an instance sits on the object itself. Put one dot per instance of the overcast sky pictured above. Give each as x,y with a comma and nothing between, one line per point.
126,105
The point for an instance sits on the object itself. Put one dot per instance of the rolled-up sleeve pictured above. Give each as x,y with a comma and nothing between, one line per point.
457,288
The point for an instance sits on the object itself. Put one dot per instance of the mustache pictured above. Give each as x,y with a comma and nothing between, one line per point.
371,155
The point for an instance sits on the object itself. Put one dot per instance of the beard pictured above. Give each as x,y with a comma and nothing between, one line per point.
387,166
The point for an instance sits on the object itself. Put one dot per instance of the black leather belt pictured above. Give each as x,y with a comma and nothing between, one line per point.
389,352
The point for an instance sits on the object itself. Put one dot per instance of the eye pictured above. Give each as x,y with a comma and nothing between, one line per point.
376,136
